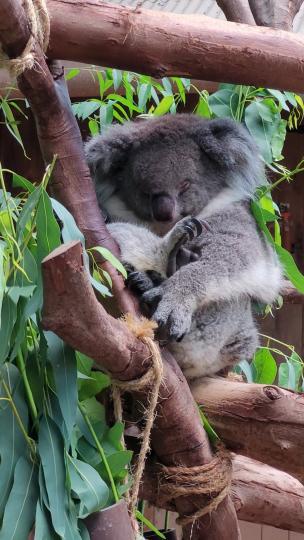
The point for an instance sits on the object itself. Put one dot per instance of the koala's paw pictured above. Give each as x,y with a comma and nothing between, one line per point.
139,282
189,228
172,315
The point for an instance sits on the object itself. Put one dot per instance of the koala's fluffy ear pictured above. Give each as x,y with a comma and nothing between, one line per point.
230,146
106,153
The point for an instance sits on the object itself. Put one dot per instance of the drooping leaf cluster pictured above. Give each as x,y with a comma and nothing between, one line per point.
59,460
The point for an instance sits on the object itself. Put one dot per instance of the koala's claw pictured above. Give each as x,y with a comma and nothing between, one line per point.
139,282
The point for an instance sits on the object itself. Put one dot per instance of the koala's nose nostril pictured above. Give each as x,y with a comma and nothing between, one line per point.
163,207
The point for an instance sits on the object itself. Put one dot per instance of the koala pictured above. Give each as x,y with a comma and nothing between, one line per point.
149,177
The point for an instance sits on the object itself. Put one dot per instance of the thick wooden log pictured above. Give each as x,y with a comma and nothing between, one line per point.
263,422
162,44
175,439
260,493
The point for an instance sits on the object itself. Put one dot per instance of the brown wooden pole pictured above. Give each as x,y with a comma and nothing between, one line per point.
260,421
163,44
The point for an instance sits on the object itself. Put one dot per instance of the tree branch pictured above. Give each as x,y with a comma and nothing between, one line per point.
237,11
278,14
263,422
200,47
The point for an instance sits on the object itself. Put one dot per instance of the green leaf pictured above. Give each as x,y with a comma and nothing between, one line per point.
290,268
87,486
84,109
265,366
223,103
97,382
20,181
43,526
16,292
181,88
19,512
260,122
69,230
164,106
8,319
148,524
2,278
11,123
84,363
62,359
247,370
106,254
93,127
48,232
100,287
117,78
123,101
72,73
106,114
144,93
12,445
280,97
51,450
26,212
117,463
202,108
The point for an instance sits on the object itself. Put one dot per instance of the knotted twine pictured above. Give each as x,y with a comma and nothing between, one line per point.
212,480
143,329
39,22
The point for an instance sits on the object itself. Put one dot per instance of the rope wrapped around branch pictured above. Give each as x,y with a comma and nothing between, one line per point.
212,479
143,329
39,22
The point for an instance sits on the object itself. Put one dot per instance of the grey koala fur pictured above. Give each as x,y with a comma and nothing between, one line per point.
149,175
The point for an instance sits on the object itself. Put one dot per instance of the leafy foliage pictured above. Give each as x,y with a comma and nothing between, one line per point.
59,460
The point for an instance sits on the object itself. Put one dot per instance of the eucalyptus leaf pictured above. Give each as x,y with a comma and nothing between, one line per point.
8,319
48,232
64,366
43,525
94,385
108,256
51,450
87,486
19,514
265,366
12,441
246,368
164,106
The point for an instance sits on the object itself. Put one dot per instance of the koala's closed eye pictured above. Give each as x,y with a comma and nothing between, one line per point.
184,187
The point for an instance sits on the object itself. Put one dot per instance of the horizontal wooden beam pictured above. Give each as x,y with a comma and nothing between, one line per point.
263,422
163,44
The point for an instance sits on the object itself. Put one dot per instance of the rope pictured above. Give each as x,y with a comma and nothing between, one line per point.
212,479
39,22
143,329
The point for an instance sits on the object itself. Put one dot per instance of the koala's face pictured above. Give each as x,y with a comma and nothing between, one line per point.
164,182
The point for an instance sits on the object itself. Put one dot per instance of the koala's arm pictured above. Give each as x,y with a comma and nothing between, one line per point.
234,262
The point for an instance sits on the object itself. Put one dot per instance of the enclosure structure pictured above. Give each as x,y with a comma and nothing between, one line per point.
216,52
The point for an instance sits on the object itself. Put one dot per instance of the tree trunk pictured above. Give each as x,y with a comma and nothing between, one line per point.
261,494
263,422
163,44
175,439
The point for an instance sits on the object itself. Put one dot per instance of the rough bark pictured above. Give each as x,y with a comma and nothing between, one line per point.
175,439
237,11
163,44
261,494
277,14
263,422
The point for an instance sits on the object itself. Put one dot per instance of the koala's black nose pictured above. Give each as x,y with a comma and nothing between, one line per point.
163,207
